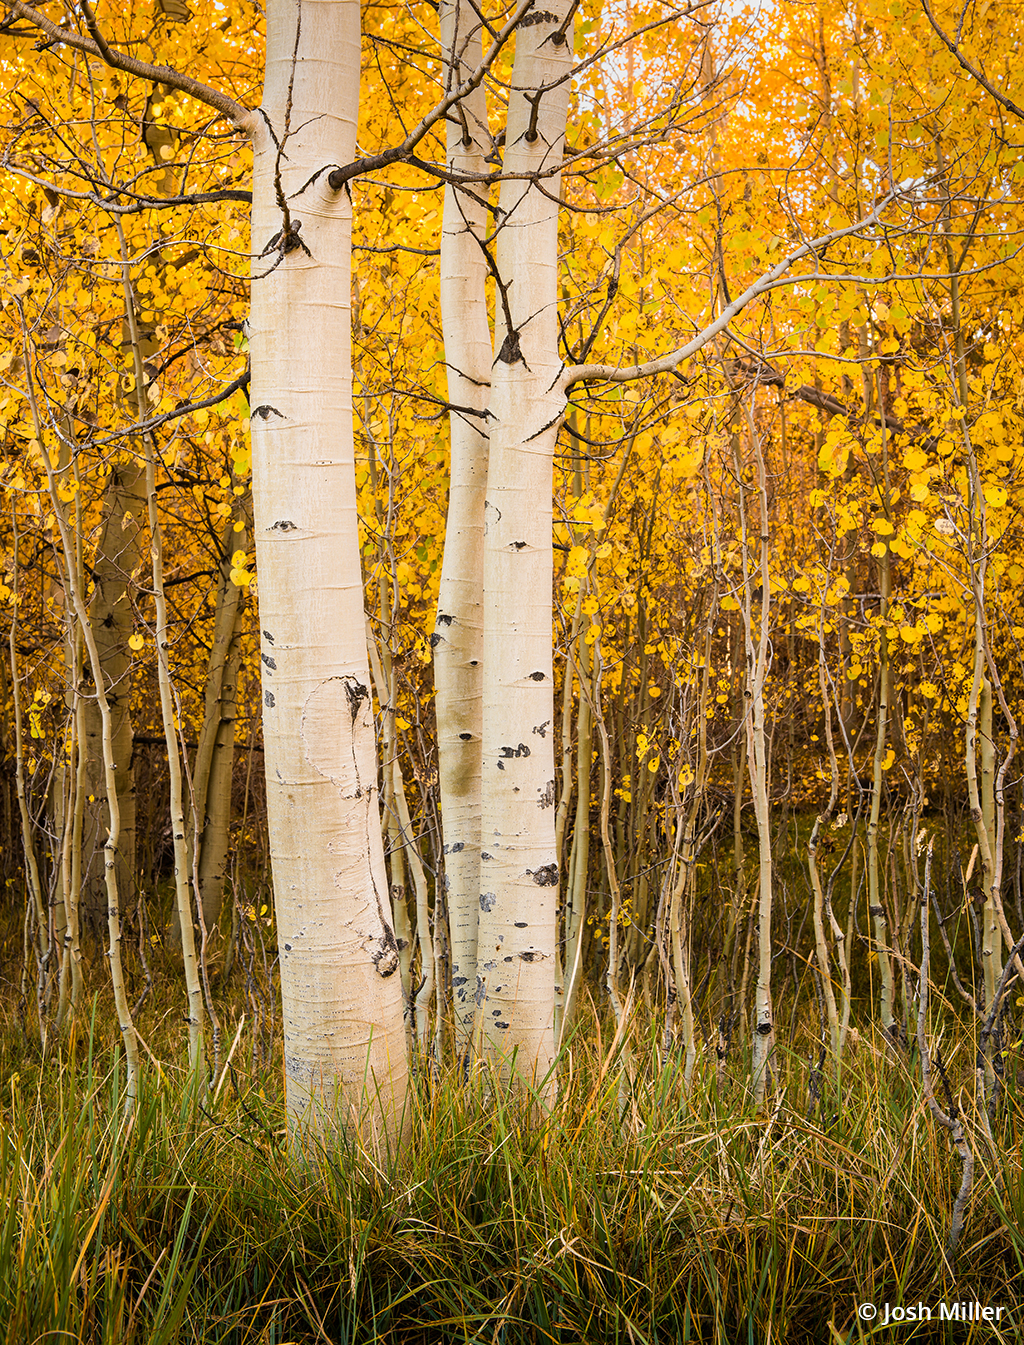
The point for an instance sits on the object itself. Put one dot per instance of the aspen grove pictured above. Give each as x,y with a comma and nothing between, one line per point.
512,508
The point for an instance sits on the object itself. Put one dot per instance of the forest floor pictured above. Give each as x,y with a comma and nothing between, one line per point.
635,1212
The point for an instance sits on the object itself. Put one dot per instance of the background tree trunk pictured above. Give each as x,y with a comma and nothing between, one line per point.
118,552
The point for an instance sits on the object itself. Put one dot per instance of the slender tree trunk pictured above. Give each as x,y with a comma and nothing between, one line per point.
37,902
168,708
579,860
345,1047
458,631
210,782
71,580
70,833
757,760
385,682
216,834
823,905
876,908
118,552
757,651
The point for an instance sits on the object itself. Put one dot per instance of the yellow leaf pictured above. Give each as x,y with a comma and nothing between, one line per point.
135,642
576,565
834,457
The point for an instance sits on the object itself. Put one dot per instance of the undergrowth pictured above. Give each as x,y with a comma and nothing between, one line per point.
631,1213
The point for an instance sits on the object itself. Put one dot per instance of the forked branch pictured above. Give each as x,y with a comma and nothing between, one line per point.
953,47
97,45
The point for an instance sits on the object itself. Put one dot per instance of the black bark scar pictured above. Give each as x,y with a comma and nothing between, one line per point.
511,352
546,876
287,240
356,693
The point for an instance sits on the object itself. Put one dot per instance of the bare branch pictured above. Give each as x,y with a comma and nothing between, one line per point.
774,279
371,163
137,201
156,74
974,74
185,409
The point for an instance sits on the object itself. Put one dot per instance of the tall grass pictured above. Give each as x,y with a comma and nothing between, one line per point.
629,1213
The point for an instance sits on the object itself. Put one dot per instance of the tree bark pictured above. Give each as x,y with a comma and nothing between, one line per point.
118,552
518,862
345,1048
458,631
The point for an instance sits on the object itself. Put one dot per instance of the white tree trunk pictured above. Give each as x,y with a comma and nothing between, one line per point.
518,862
458,632
345,1045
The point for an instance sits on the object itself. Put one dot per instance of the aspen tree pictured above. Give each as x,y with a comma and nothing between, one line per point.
458,630
344,1038
72,581
213,853
35,886
519,876
672,924
822,907
876,909
756,641
118,552
579,858
403,854
210,780
980,783
167,699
